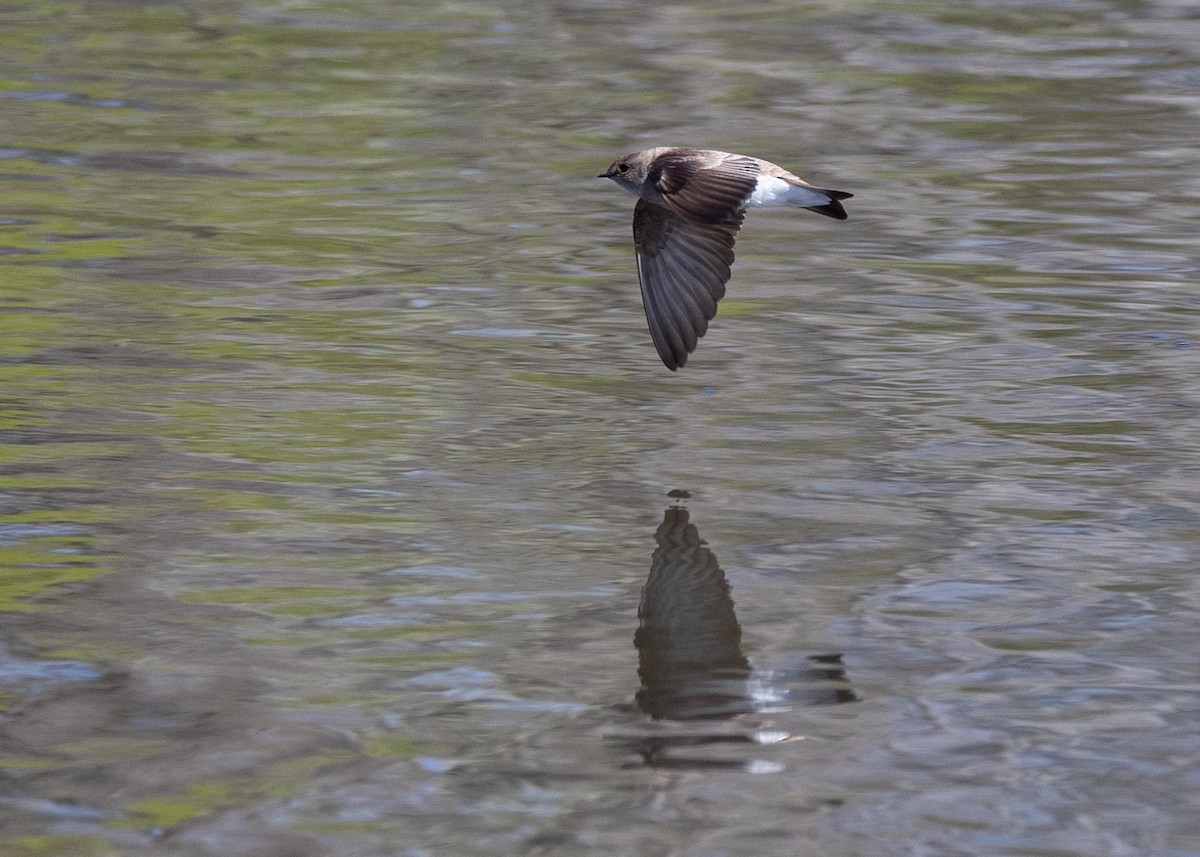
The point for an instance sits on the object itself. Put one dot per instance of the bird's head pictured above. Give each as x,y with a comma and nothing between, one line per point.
628,171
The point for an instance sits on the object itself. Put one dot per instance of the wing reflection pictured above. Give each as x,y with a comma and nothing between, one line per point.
688,639
697,686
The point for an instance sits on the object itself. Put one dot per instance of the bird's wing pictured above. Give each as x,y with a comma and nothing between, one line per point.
706,190
683,268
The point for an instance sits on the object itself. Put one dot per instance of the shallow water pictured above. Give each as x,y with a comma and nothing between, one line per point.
335,458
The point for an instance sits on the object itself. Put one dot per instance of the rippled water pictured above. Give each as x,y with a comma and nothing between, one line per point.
345,507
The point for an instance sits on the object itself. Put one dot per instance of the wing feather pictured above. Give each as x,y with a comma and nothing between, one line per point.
683,267
709,189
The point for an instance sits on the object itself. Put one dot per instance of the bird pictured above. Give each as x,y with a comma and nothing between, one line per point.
691,205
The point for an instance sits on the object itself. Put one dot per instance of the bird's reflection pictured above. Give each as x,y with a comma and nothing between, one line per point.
696,683
688,639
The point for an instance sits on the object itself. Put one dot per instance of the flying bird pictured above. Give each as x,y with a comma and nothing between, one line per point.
691,205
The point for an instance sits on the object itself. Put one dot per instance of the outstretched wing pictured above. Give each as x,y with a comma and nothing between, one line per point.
683,267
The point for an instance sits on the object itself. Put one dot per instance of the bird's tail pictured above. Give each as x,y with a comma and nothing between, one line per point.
833,208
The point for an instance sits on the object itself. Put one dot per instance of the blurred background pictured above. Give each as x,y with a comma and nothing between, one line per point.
346,508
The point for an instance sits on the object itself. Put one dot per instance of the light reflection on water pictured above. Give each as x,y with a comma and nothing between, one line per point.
333,448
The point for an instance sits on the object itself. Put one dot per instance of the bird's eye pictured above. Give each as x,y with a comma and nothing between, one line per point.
622,168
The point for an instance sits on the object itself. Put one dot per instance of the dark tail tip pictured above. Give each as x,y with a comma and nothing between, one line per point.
833,208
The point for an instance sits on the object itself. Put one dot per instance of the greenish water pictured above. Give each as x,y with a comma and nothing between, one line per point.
335,455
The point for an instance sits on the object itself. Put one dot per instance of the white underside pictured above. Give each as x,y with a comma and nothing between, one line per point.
772,191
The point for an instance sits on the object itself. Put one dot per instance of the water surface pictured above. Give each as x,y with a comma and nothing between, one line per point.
346,508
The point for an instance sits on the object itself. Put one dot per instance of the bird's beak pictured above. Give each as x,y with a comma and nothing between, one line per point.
607,175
